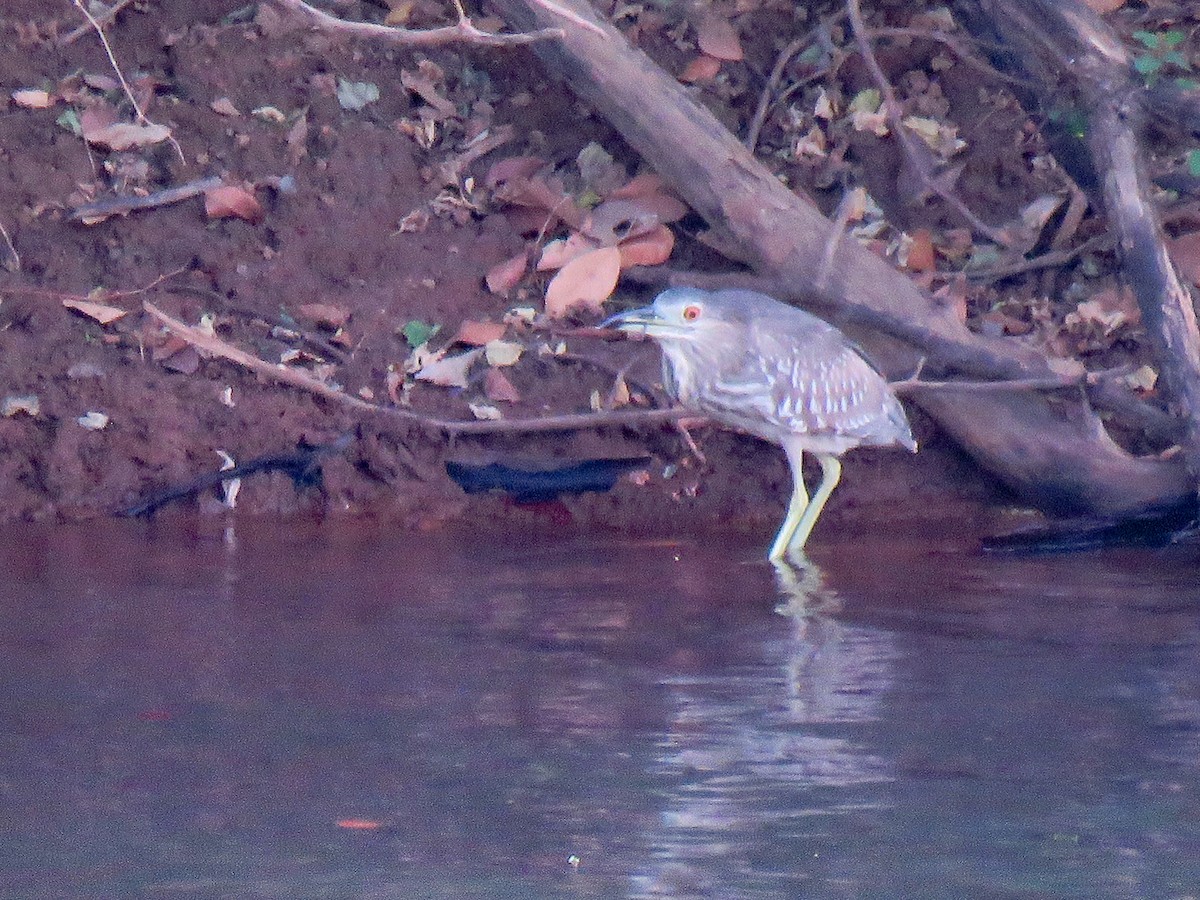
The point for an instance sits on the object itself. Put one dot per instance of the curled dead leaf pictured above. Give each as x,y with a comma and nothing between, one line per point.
125,135
558,253
614,221
231,201
650,249
223,106
514,167
584,283
503,353
450,371
507,274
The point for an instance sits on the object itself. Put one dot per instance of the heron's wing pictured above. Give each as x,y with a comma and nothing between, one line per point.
821,384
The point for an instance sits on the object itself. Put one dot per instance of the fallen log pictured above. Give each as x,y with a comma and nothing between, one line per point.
1022,440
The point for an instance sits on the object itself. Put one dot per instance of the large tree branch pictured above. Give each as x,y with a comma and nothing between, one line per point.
1049,459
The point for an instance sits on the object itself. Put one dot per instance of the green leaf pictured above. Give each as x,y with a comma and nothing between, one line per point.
1193,163
1188,84
1175,58
1174,37
1147,64
70,121
417,332
867,101
1147,38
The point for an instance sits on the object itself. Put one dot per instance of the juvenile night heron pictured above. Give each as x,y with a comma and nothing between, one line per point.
753,363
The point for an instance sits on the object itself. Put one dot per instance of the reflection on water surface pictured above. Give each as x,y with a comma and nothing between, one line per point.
296,713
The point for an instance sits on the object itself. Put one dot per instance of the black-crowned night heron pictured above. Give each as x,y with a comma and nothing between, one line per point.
756,364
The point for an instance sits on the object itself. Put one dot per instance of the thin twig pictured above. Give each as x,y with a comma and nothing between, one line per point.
837,230
12,260
768,91
214,346
892,113
141,116
1045,261
103,19
99,210
461,32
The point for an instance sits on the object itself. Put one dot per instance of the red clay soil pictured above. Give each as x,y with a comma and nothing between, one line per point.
331,238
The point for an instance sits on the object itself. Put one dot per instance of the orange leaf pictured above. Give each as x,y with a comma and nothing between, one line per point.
229,200
649,249
717,37
557,254
921,257
476,334
506,275
701,68
585,282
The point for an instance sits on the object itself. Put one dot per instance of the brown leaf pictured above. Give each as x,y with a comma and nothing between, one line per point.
514,167
614,221
1185,253
231,201
498,387
541,194
507,274
921,255
476,334
98,311
424,83
557,254
644,185
223,106
651,249
125,135
701,68
325,315
1104,6
718,38
585,282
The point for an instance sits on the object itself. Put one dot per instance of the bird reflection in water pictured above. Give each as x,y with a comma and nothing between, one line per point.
811,604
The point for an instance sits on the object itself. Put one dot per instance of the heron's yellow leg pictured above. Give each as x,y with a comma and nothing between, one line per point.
831,473
796,508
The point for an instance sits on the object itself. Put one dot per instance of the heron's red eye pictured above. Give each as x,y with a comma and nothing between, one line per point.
691,313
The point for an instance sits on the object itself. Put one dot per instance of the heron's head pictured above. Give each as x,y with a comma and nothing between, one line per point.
677,315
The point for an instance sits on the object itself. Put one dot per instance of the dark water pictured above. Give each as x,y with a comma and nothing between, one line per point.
325,714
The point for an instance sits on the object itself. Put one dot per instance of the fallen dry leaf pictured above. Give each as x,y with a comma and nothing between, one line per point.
513,167
1105,6
450,371
476,334
614,221
584,283
485,411
558,253
718,38
98,311
32,98
640,186
507,274
503,353
921,255
223,106
326,315
498,387
125,135
1185,253
651,249
359,824
701,68
231,201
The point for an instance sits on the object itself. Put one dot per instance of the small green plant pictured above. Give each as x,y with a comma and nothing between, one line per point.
1162,55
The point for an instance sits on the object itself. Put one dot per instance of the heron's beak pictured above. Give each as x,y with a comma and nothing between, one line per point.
643,320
